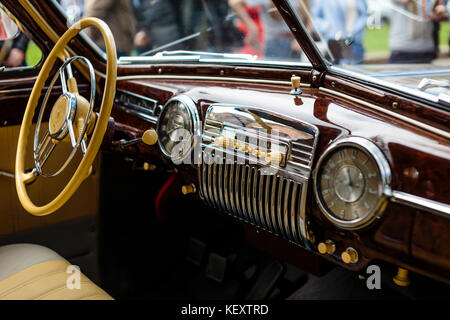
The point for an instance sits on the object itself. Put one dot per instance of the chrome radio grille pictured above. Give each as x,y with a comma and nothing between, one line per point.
268,201
241,185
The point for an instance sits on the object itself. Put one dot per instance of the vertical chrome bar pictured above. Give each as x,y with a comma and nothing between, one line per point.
281,185
267,204
210,182
237,190
205,183
256,196
287,205
294,210
232,188
242,193
248,194
226,188
215,185
273,205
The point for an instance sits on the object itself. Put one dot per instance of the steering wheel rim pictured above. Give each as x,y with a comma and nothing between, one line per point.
83,168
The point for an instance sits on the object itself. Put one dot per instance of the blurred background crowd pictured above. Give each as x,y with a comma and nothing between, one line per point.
346,31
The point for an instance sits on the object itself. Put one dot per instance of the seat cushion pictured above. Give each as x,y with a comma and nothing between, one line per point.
33,272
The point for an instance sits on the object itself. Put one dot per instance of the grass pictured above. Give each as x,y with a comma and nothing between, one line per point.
377,40
33,54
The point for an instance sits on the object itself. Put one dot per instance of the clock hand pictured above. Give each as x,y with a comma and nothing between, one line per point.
349,177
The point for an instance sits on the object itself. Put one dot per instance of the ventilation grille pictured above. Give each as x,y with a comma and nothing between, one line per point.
269,201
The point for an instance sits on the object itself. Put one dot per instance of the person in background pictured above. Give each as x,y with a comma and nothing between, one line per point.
341,24
156,23
12,52
254,13
411,35
279,41
119,16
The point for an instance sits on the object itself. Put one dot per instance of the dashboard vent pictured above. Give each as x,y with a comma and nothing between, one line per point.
268,201
235,179
140,106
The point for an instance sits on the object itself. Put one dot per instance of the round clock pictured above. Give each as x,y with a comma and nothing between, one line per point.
351,183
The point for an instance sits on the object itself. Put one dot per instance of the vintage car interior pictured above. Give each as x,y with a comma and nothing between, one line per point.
195,175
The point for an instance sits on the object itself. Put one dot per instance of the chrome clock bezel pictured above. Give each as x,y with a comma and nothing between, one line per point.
373,152
190,106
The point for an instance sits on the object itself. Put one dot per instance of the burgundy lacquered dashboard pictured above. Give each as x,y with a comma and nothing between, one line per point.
417,159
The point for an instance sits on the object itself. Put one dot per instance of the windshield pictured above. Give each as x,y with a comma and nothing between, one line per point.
405,42
399,41
243,30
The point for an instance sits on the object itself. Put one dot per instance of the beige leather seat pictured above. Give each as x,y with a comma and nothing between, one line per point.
30,271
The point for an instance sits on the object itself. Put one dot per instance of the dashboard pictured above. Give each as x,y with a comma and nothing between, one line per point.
306,169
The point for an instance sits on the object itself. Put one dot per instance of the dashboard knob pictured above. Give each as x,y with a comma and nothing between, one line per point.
150,137
295,82
350,255
327,247
187,189
402,279
274,157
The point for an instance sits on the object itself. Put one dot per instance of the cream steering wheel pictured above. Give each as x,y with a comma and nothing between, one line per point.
71,119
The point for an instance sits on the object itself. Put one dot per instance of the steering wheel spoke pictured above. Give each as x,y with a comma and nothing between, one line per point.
43,151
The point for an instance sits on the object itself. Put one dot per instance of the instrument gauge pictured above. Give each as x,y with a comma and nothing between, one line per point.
351,183
178,126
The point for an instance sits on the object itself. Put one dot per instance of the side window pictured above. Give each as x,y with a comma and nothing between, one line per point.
16,50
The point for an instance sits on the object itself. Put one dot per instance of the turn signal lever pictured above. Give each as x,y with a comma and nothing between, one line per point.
150,137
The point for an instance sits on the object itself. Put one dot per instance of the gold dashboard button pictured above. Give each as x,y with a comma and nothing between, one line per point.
327,247
350,255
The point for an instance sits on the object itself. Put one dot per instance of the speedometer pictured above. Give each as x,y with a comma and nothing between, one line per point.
177,127
351,183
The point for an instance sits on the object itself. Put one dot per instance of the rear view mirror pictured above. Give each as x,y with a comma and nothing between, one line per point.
8,28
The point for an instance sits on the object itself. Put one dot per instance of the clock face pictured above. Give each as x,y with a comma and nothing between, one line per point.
349,185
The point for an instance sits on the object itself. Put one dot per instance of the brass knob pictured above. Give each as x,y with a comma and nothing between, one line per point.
295,82
147,166
224,142
402,279
327,247
274,157
150,137
187,189
350,255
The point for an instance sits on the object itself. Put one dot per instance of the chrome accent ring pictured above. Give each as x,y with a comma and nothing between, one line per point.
196,127
371,150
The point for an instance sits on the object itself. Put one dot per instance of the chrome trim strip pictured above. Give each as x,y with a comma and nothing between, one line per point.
6,91
388,112
244,192
220,186
272,205
256,178
250,182
7,174
431,206
191,107
237,190
287,202
215,184
294,207
226,181
269,181
279,215
387,84
231,79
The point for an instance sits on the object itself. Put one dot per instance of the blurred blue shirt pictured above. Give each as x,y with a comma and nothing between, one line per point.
329,18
